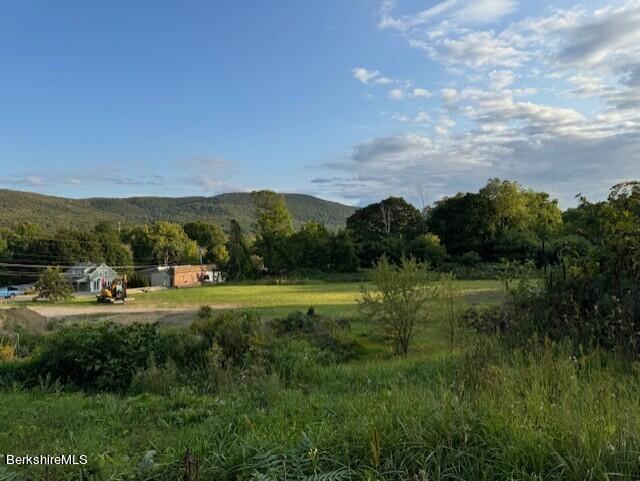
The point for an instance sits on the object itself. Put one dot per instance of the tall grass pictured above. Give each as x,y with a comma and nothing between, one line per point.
486,414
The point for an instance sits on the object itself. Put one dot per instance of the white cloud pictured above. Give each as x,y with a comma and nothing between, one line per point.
383,80
460,11
474,50
396,94
420,92
364,75
26,179
551,100
610,32
500,79
422,117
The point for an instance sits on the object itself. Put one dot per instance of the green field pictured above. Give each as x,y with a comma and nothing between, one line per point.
472,411
329,298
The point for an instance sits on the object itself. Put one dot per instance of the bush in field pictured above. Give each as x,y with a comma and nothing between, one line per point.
238,334
156,379
324,333
52,285
589,298
186,349
399,300
293,359
103,358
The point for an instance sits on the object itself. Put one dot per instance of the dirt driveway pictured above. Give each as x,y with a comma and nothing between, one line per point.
53,311
121,314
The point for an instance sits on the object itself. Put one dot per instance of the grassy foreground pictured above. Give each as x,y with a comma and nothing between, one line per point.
529,417
471,412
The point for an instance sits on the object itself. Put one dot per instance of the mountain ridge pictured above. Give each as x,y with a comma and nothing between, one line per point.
52,212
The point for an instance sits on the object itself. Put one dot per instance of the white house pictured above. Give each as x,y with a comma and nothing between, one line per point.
90,277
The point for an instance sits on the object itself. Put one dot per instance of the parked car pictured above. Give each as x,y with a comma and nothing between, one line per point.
10,292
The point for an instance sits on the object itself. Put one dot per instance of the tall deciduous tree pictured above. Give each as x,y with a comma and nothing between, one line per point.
343,253
210,238
273,226
310,247
162,242
393,216
239,265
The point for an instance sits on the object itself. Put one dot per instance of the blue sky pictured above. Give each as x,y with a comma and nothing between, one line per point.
348,100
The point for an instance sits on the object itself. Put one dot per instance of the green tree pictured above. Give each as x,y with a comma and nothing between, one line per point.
310,247
273,227
52,285
385,228
163,243
343,253
393,216
399,300
428,248
509,208
210,238
502,220
239,265
545,220
462,222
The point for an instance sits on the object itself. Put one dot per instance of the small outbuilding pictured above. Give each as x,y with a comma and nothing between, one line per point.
90,277
157,276
182,275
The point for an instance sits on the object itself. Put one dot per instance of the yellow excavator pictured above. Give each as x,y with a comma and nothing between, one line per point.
116,293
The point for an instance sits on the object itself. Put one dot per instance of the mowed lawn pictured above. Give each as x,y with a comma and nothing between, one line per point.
326,298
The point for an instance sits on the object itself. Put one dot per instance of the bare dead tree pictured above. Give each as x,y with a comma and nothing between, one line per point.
386,217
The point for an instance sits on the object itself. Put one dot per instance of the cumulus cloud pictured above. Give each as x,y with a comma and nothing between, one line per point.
366,76
612,32
420,92
396,94
552,100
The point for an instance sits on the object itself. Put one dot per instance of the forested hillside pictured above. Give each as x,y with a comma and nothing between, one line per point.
51,212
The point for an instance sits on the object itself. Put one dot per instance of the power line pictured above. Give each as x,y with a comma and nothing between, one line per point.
6,264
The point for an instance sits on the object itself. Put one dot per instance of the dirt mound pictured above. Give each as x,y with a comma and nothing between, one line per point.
22,318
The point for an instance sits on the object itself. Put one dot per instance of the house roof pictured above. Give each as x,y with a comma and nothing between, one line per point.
154,269
199,268
84,271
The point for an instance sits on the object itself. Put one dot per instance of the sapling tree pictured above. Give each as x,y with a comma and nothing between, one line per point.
399,299
52,285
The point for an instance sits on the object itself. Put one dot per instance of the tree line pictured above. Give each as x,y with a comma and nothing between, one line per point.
503,221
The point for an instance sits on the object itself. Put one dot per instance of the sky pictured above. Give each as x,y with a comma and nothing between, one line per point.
348,100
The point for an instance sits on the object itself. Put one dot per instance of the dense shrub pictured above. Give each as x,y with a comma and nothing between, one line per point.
484,270
224,347
188,350
156,379
97,358
238,334
293,359
324,333
578,305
